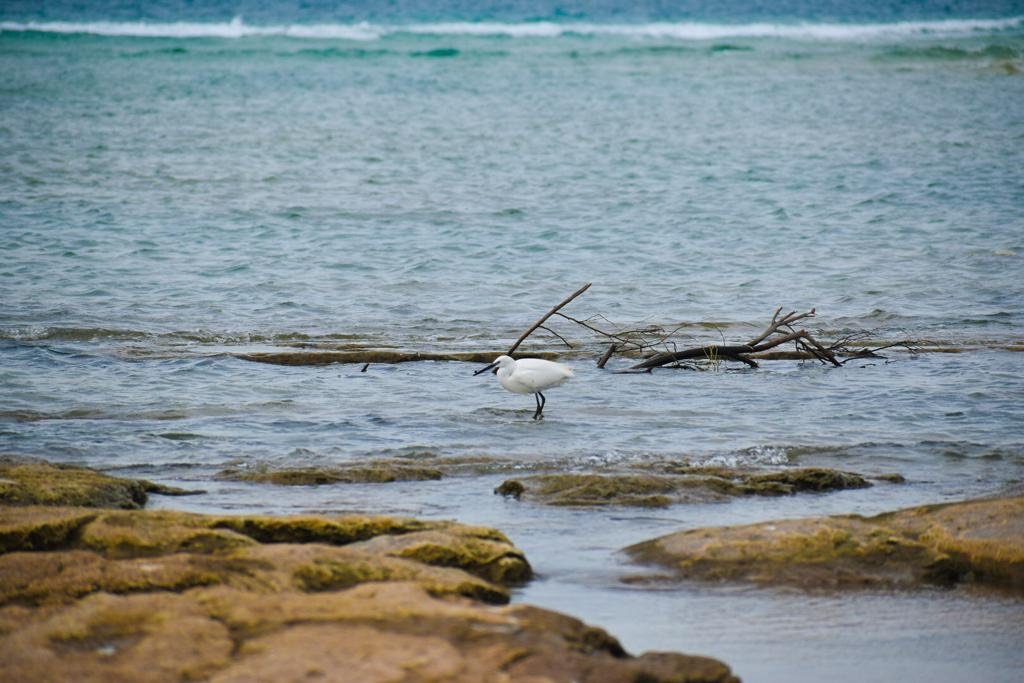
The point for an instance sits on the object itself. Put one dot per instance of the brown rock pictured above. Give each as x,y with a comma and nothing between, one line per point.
977,542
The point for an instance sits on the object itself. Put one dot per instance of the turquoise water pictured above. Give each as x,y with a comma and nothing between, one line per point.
177,188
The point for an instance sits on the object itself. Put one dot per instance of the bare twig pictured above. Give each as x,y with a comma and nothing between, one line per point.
546,316
843,346
776,323
548,329
628,340
585,323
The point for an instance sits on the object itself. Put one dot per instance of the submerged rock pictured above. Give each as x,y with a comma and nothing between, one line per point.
371,356
787,482
978,542
101,595
673,485
373,472
42,483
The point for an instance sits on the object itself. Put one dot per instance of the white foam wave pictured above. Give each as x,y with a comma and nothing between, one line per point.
705,31
756,455
662,30
233,29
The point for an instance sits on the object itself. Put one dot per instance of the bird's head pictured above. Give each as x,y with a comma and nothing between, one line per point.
499,363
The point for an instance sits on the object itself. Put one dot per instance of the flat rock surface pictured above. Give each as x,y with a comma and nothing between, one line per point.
977,542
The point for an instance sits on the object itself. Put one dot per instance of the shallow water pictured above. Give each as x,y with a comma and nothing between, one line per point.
175,194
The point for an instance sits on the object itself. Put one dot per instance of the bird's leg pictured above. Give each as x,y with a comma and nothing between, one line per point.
540,406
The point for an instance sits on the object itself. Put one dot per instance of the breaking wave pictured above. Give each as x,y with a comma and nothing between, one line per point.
364,31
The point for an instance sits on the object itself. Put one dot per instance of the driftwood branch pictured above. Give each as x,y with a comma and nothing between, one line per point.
544,318
607,354
779,331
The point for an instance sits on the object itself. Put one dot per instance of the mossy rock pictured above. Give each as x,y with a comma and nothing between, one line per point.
153,532
479,551
34,528
786,482
88,594
342,570
46,484
114,595
371,473
128,551
592,489
681,485
41,483
158,532
338,530
61,577
979,543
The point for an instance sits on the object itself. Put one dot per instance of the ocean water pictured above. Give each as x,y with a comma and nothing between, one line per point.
181,185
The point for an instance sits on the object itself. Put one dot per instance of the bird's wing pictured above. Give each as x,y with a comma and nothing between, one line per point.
538,379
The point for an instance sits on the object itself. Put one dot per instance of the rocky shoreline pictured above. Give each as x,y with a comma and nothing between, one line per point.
104,591
94,587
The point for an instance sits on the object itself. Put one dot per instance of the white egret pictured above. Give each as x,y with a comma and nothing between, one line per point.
529,376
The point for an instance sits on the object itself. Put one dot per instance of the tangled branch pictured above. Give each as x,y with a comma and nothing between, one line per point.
778,332
783,329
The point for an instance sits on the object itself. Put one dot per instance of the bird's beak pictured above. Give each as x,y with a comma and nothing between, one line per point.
483,370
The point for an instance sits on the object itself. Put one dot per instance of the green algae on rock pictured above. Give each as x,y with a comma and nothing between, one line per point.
40,483
675,485
978,542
